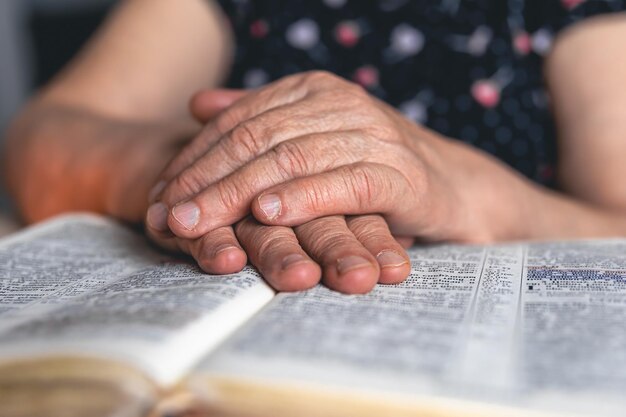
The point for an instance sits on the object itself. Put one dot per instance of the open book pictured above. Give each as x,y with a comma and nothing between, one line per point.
95,323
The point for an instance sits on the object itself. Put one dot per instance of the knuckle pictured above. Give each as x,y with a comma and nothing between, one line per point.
317,197
233,157
187,183
226,121
356,91
264,244
319,78
316,75
290,159
269,240
370,228
382,132
315,229
291,79
230,197
330,239
362,183
247,139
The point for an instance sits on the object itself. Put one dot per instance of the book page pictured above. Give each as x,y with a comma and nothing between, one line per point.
59,260
572,353
535,326
85,285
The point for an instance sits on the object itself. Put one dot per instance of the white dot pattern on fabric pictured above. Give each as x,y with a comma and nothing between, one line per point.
414,110
335,4
303,34
471,70
542,41
406,40
255,77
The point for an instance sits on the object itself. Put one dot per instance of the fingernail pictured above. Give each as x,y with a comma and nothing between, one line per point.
390,259
270,205
156,190
351,262
157,217
292,259
187,214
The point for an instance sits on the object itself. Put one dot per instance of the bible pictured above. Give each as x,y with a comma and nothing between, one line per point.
95,322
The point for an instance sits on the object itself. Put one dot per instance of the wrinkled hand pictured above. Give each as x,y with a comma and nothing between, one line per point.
313,145
358,251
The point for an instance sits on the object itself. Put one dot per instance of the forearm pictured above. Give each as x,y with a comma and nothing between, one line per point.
498,204
562,216
60,159
97,136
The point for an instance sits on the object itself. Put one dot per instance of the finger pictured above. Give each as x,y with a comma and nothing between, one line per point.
218,252
237,147
207,104
252,138
255,124
362,188
155,217
275,251
373,233
285,91
168,243
229,199
347,265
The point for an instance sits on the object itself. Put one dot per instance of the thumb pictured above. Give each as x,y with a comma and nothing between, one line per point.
206,104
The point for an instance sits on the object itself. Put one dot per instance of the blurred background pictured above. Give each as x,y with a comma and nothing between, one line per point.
37,37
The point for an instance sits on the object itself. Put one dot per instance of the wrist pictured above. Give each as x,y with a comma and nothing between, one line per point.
60,159
42,167
487,201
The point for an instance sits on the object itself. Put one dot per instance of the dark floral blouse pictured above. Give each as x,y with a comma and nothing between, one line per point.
469,69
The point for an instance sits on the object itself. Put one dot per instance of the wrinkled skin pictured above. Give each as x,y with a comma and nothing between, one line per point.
303,152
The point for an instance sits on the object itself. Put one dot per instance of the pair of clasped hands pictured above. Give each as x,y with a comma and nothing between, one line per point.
311,179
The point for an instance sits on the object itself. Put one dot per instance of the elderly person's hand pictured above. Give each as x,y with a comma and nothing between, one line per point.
358,251
311,146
